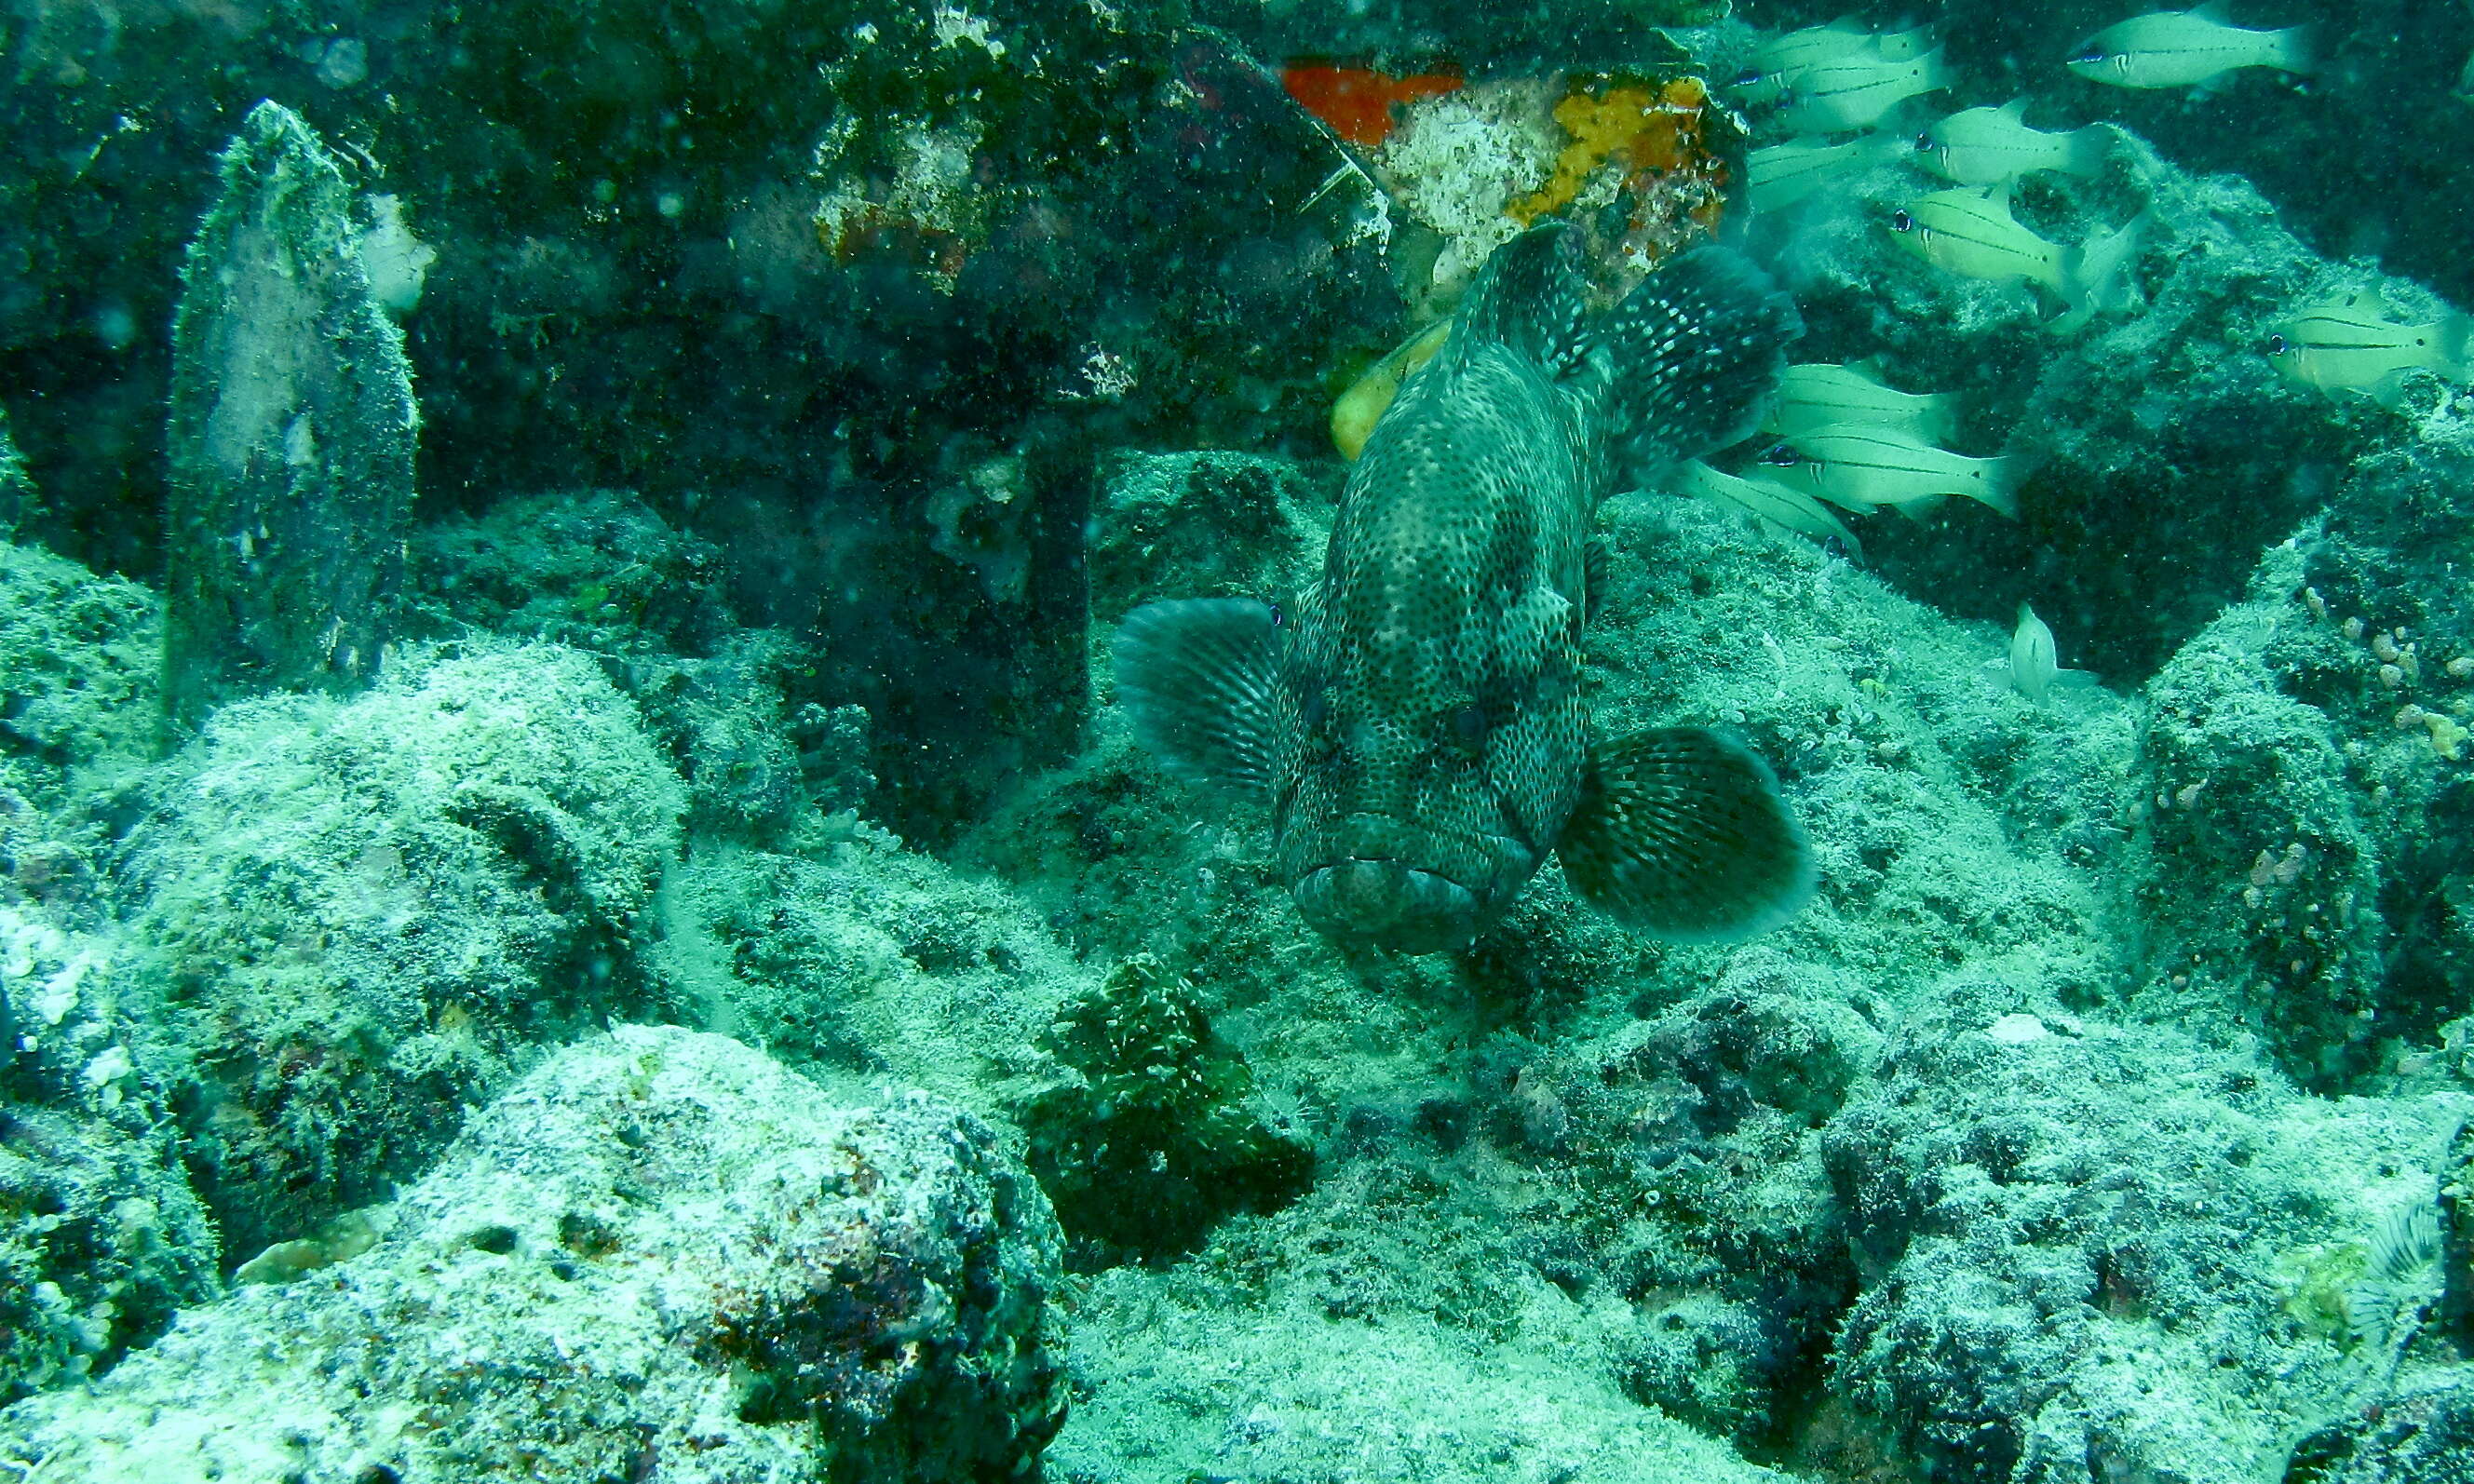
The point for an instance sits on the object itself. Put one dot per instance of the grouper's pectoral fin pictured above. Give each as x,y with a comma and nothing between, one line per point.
1681,833
1199,679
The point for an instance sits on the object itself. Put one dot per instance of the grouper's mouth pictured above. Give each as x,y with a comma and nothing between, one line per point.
1390,905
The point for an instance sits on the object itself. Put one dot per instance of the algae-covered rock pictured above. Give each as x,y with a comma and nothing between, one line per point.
761,755
1205,524
1157,1140
2073,1239
80,657
1288,1391
861,961
357,917
292,436
659,1256
101,1241
2258,884
101,1236
2300,861
2423,1433
16,490
81,660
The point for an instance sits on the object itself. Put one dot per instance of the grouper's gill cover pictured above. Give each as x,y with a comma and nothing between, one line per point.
1416,722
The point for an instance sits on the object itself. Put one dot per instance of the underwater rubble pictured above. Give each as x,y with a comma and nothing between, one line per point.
639,944
660,1254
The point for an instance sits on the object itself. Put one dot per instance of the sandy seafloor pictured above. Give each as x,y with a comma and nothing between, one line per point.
576,904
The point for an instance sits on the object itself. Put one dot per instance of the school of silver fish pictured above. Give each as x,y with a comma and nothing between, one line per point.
1413,722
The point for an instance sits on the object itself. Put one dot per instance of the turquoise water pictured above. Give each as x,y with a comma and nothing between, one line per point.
1255,742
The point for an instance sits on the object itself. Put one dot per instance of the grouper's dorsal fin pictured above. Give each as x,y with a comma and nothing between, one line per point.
1531,297
1681,831
1199,679
1692,354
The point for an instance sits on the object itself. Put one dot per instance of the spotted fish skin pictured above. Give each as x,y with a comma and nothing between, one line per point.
1416,722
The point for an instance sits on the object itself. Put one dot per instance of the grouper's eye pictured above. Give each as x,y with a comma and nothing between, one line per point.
1469,724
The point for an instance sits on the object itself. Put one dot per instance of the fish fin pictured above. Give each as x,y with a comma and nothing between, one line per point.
2000,488
1936,71
2456,347
1683,833
2294,52
1936,416
1691,356
1869,368
2090,147
2015,111
1530,297
1923,508
2098,276
1200,680
2389,391
1899,45
1789,509
2221,12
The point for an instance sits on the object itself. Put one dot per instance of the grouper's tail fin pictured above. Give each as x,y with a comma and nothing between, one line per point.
1690,357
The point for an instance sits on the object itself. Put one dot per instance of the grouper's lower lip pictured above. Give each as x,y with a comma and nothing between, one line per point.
1390,905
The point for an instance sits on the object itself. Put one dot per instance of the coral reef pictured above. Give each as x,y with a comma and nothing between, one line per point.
657,1257
808,392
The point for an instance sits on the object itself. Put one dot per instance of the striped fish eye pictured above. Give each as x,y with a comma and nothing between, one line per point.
1900,221
2276,345
1925,141
1782,456
1277,617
